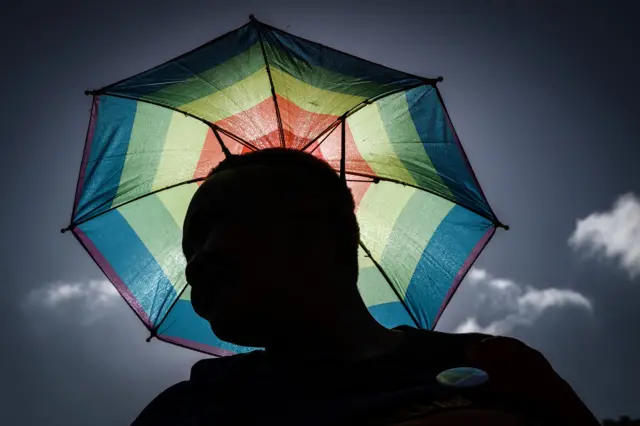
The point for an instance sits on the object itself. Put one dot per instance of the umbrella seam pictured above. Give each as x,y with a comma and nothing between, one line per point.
187,182
388,280
86,152
357,108
83,245
425,80
177,58
493,220
449,297
464,154
343,149
273,89
329,130
157,327
224,148
195,117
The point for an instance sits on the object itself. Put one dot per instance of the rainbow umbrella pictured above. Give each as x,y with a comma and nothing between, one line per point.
153,137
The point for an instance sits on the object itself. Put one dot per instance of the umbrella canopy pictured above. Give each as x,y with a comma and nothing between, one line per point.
154,137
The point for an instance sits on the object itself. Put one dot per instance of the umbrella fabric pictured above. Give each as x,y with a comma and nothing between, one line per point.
153,137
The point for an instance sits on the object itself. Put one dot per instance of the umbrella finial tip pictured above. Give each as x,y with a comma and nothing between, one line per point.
152,333
252,17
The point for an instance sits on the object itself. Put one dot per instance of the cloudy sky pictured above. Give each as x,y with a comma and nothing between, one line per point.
543,95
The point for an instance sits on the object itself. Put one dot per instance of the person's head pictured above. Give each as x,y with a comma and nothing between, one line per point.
269,237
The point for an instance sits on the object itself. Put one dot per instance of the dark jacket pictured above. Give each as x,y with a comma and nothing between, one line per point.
398,388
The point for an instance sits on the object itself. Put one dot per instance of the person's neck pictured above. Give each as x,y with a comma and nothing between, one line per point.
347,335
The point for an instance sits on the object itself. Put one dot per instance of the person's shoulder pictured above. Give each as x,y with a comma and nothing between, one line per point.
187,402
440,346
168,407
435,337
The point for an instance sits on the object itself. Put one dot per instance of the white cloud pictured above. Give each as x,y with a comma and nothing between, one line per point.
501,284
93,297
470,325
477,274
539,300
613,234
519,305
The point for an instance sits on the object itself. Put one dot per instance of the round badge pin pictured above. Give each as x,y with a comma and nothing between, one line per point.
462,377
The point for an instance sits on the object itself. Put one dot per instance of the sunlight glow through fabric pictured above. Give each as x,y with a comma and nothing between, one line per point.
153,137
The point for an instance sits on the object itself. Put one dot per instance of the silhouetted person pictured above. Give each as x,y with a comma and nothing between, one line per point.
271,240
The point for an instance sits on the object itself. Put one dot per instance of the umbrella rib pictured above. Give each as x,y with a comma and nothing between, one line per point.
329,129
493,219
177,58
459,281
343,149
234,137
361,180
151,330
328,132
224,148
195,117
388,280
362,104
166,188
417,77
191,348
82,244
273,89
85,157
459,143
154,331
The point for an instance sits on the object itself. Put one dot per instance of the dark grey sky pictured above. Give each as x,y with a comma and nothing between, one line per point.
544,97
